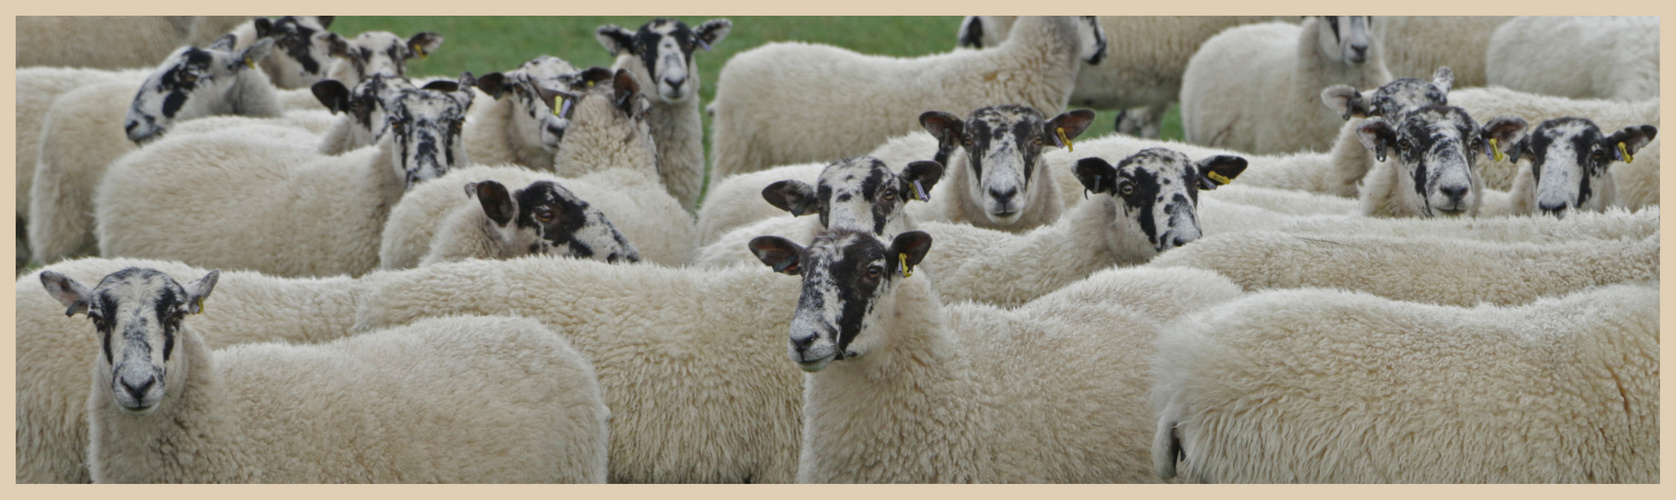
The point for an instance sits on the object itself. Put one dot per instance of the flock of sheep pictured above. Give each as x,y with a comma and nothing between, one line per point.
1389,250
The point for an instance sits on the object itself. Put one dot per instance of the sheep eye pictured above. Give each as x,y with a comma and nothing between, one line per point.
188,77
544,216
1126,188
1599,156
874,271
889,194
1403,144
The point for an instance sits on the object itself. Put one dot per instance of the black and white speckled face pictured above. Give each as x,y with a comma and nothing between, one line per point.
303,48
535,87
136,314
1004,146
426,126
1156,193
563,224
191,82
846,274
1392,100
379,53
664,47
365,105
1438,148
1346,39
1570,158
858,193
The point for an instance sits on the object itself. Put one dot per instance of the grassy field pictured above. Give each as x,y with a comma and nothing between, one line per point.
485,44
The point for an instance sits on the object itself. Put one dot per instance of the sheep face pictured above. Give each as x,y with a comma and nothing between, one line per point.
1392,100
847,277
191,82
425,126
136,314
305,45
1569,159
534,86
1156,193
365,105
858,193
546,218
1438,148
1345,39
1003,147
378,53
663,51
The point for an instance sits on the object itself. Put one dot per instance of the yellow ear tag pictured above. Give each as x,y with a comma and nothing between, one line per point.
1066,140
421,51
558,106
1496,150
249,63
1625,152
906,271
1218,177
200,305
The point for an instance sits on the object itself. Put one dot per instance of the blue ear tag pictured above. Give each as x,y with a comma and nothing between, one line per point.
703,45
921,190
564,109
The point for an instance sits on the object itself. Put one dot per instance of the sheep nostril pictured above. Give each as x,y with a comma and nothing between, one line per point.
1003,196
138,392
1455,193
130,126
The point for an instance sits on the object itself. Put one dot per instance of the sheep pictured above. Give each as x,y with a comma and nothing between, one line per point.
993,179
1602,57
247,172
606,157
1637,182
542,218
378,52
905,389
1414,45
1570,160
1351,160
522,129
1433,171
101,42
753,128
1141,71
236,414
1443,271
697,390
1322,386
661,53
52,407
858,193
1252,88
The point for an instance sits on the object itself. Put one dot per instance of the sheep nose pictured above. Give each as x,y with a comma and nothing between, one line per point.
138,392
1455,193
801,344
675,82
1552,208
1003,197
129,127
1359,52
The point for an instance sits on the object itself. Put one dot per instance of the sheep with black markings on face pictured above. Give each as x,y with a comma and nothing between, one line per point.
1570,161
1432,169
543,218
997,178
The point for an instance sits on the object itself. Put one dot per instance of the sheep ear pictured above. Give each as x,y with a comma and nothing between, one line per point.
792,196
1632,138
626,89
594,76
226,43
199,290
332,94
946,127
325,21
263,25
496,201
712,32
1505,130
1219,170
339,47
1345,101
919,177
423,44
1519,150
615,39
1443,78
493,84
1377,135
562,103
1073,123
443,85
255,52
71,294
911,246
1097,175
971,32
779,253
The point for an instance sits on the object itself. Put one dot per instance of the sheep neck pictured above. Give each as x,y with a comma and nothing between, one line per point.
178,441
899,396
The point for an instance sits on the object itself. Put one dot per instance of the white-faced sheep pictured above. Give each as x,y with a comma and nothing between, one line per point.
756,127
994,162
282,208
518,125
276,413
1570,160
697,382
661,54
1434,153
607,157
52,368
1141,71
1638,183
105,42
1414,45
1599,57
1434,270
856,193
906,389
1319,386
1254,88
543,218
